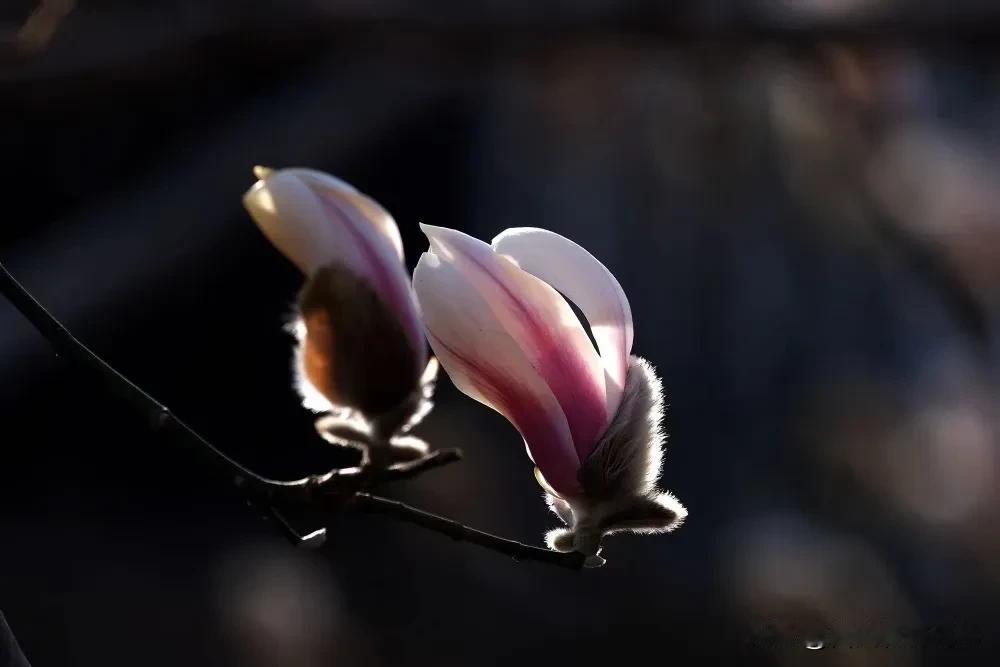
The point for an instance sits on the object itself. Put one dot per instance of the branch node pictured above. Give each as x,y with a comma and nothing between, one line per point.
305,498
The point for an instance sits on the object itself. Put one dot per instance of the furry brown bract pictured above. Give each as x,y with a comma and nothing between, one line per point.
385,440
354,362
619,477
354,351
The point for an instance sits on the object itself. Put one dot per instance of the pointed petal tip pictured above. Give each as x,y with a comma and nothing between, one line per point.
449,243
437,231
440,239
262,172
430,232
433,232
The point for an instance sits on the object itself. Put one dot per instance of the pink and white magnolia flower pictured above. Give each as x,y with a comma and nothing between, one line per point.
590,417
362,354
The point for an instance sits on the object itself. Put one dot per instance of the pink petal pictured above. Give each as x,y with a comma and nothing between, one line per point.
576,273
370,209
315,219
487,364
542,324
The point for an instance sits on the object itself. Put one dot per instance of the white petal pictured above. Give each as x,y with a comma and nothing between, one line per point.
368,207
375,234
542,324
488,365
576,273
315,219
288,214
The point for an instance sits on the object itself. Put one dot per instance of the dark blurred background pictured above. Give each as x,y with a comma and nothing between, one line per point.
800,199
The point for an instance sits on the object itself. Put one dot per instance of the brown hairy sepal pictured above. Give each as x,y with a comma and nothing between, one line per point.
385,440
619,478
355,363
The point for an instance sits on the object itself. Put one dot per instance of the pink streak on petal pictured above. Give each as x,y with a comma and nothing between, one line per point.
571,269
389,281
370,210
560,365
519,406
457,315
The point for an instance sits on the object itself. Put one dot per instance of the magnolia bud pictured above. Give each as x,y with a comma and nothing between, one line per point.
362,347
590,418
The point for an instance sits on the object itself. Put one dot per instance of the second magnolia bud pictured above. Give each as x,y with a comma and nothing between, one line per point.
354,351
362,344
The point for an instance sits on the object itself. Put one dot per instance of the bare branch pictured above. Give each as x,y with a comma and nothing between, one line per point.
411,469
343,480
365,502
283,501
159,416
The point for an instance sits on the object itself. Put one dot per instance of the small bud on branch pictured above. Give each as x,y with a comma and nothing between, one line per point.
330,492
361,354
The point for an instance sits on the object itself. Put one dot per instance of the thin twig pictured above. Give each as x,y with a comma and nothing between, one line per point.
365,502
258,487
158,414
275,499
411,469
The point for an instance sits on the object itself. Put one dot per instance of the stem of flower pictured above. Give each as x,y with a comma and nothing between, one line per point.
160,417
365,502
273,498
